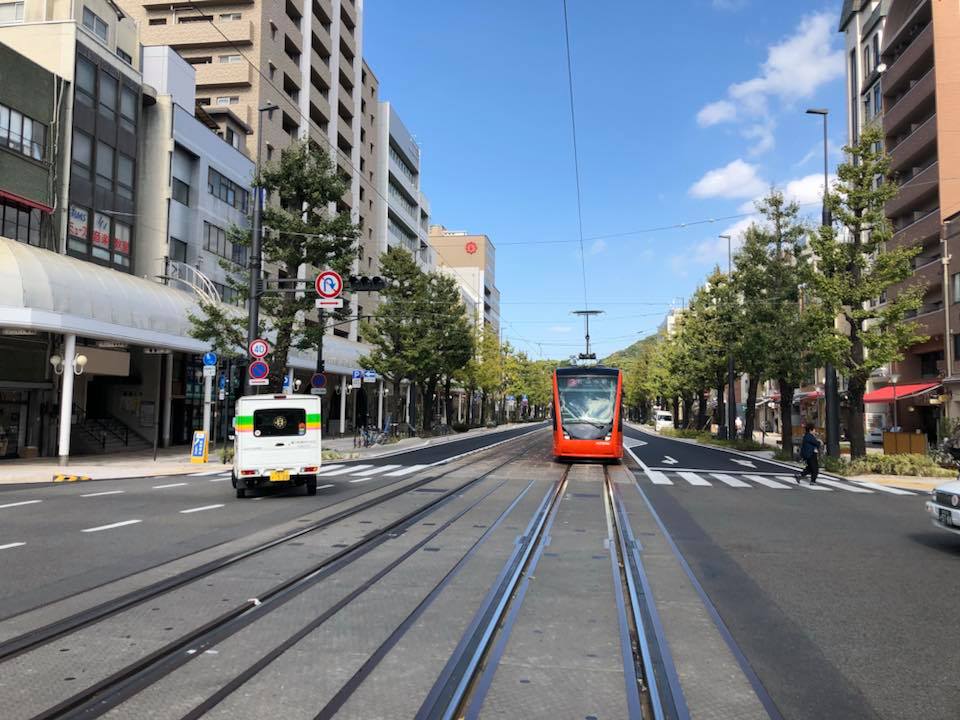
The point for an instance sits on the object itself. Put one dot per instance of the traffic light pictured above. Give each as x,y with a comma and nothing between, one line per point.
365,284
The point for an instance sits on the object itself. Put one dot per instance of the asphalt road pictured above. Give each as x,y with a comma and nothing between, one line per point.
843,601
60,539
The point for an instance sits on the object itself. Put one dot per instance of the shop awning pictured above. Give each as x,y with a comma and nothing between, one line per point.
812,395
885,394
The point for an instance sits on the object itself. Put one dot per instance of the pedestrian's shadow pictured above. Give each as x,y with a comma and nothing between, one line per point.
943,541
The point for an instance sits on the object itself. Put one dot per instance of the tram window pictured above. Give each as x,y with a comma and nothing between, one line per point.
588,398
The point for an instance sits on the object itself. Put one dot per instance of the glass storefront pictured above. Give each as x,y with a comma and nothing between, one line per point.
13,422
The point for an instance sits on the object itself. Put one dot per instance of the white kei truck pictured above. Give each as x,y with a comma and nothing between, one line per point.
276,442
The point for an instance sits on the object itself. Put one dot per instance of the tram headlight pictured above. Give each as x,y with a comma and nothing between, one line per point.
566,436
607,438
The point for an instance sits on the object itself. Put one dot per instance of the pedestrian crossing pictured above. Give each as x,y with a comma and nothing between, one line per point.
344,470
708,478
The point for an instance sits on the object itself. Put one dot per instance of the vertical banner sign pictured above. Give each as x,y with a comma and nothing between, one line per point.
101,231
198,449
79,222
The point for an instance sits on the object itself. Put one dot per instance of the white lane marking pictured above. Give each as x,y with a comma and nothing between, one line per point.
360,479
324,487
667,460
730,480
805,486
327,468
883,488
745,463
406,470
220,479
12,545
694,479
767,482
23,502
344,470
629,442
200,509
111,526
378,469
105,492
206,474
656,477
161,487
844,486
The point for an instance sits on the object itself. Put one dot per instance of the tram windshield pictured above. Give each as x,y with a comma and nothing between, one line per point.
588,399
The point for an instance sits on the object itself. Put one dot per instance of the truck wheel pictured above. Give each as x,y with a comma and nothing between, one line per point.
241,493
233,479
312,485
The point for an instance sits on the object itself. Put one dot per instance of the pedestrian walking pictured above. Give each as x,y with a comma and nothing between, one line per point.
738,424
810,453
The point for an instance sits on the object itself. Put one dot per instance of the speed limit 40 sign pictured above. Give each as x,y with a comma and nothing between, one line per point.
259,348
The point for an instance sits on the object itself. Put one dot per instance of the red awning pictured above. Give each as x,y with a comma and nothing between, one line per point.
5,195
812,395
885,395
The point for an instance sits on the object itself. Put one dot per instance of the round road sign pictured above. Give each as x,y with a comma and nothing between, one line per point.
259,348
329,284
258,370
318,380
209,358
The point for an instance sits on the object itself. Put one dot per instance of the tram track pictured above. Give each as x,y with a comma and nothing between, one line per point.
101,696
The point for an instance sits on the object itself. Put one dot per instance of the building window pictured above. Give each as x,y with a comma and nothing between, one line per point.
82,154
178,250
158,21
21,133
121,243
229,17
181,192
108,94
125,172
876,49
128,109
955,287
230,58
86,82
930,363
867,61
78,229
238,253
232,138
215,240
226,190
182,19
101,236
202,60
125,56
877,100
20,223
11,11
228,100
95,24
202,101
104,166
854,85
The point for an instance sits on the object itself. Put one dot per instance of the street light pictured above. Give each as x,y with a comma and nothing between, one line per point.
830,381
731,394
894,379
253,314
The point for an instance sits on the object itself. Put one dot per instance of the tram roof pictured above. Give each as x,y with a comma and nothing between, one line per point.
594,370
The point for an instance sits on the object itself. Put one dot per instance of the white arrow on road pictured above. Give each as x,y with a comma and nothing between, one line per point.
633,442
669,460
746,463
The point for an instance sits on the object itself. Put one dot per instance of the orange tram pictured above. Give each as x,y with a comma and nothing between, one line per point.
587,418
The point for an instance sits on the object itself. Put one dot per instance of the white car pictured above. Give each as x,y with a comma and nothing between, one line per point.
662,420
944,507
875,436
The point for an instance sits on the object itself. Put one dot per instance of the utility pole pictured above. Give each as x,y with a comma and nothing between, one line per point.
585,314
256,244
731,391
947,303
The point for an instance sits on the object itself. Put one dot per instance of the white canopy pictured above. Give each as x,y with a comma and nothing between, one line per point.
44,291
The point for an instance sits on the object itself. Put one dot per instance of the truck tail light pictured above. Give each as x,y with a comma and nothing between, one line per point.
248,472
311,469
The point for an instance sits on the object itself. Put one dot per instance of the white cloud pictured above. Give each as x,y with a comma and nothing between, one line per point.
560,328
816,153
804,191
735,180
795,69
716,112
597,247
712,251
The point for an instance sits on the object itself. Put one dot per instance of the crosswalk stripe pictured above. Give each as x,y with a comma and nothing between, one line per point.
328,468
343,470
658,478
883,488
805,486
378,469
844,486
406,470
767,482
730,480
694,479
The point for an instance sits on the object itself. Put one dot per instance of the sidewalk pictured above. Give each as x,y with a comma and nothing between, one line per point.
176,461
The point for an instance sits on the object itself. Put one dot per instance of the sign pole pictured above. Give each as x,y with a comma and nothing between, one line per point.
156,408
207,393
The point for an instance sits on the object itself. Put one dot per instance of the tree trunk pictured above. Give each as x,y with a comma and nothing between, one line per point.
701,409
687,411
855,391
721,403
750,412
676,412
483,408
786,416
448,399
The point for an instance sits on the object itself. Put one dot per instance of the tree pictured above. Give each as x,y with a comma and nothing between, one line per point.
299,229
857,268
489,375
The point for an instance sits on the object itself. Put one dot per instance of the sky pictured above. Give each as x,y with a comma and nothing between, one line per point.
686,112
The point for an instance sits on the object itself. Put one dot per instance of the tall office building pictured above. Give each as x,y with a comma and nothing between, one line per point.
903,71
472,261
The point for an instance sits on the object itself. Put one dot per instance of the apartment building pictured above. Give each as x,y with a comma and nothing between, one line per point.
903,71
472,261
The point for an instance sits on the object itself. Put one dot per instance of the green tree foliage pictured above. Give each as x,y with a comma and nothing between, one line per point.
299,230
855,268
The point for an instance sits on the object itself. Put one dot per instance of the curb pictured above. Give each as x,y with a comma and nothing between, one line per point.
70,478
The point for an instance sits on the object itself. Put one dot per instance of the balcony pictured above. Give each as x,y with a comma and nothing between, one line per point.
913,192
161,5
199,34
320,42
929,274
346,101
214,75
914,61
919,143
917,233
348,47
917,102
